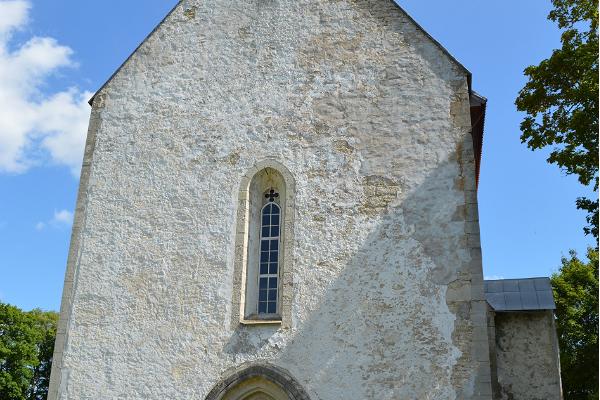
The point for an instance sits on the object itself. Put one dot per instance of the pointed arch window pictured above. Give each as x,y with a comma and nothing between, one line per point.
263,263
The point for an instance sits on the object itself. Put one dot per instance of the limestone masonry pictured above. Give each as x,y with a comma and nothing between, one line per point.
370,135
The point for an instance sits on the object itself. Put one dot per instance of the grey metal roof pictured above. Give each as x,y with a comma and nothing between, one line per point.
519,294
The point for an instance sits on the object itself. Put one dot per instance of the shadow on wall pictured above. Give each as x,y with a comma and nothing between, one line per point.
379,322
383,328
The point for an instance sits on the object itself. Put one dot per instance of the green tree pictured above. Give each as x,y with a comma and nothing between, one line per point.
45,323
560,100
26,346
576,292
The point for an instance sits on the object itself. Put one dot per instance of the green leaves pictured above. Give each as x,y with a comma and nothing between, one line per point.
561,99
26,346
567,13
576,293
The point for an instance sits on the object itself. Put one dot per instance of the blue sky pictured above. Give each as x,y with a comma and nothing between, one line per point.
53,54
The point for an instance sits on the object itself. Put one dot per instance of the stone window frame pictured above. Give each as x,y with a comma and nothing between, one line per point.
286,265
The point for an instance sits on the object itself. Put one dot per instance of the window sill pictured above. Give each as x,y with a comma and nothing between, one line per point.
267,320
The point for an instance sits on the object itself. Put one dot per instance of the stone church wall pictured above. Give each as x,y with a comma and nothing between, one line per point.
526,356
370,117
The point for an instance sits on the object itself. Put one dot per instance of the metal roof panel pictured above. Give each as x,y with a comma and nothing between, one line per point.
529,300
528,294
542,283
493,287
513,300
510,285
546,300
526,285
496,300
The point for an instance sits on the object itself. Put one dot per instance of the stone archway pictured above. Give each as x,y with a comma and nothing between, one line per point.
256,388
258,382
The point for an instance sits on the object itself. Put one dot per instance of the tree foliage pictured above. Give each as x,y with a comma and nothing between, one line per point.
26,347
561,99
576,292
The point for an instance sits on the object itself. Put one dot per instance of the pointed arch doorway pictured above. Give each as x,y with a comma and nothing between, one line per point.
257,388
258,382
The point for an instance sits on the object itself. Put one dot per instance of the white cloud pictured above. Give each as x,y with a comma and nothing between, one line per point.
61,219
14,14
36,127
493,277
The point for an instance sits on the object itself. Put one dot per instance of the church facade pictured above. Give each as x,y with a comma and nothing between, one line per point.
278,200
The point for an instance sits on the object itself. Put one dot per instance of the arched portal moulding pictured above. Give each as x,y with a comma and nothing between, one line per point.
249,382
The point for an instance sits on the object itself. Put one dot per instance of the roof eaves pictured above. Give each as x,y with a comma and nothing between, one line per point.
478,98
478,105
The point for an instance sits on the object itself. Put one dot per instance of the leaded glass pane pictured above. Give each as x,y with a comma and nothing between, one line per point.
272,295
263,283
264,269
269,258
273,268
272,283
275,231
262,307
